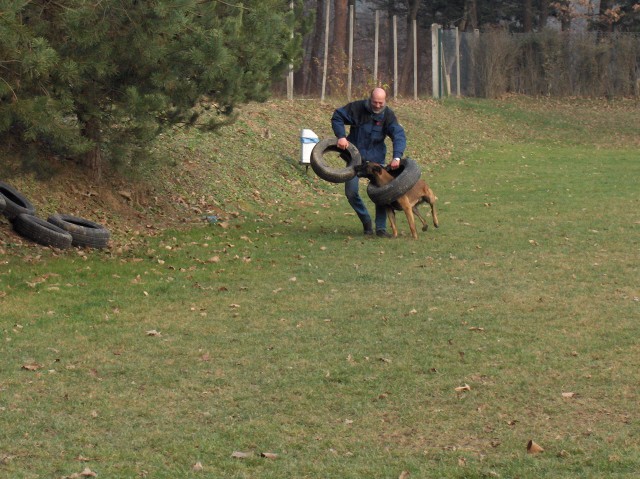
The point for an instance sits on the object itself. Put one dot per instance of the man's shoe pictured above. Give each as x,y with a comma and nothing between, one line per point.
368,229
383,234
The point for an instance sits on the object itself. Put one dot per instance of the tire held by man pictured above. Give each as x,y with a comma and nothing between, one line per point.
404,181
334,175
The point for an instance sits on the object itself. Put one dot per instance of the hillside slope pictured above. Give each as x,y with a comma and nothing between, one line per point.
253,165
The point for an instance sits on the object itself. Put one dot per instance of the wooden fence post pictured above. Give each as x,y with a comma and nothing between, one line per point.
435,61
395,57
350,72
415,60
375,49
326,51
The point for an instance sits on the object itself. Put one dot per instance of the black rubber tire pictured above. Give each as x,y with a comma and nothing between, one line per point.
408,176
83,232
41,231
15,202
334,175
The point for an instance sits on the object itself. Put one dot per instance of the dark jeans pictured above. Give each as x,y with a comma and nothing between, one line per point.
351,191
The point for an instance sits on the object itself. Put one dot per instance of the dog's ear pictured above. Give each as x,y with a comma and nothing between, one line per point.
376,168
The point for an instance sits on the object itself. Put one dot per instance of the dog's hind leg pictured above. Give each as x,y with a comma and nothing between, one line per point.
425,226
434,215
431,198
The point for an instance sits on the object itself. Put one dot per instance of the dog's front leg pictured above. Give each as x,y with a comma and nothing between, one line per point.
406,206
391,216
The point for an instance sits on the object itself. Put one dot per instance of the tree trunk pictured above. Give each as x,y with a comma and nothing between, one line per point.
606,25
407,65
93,158
312,80
469,16
564,11
544,13
390,46
339,46
527,16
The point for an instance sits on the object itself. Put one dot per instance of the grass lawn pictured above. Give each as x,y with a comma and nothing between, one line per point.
287,345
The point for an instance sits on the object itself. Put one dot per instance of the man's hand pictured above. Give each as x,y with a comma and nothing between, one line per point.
343,143
395,163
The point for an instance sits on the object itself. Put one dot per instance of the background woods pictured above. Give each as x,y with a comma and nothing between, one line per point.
590,38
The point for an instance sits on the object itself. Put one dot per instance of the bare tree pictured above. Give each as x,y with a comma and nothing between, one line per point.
606,8
312,80
338,49
564,12
527,16
544,13
407,65
469,16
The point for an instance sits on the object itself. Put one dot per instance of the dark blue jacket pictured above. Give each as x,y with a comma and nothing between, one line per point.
368,130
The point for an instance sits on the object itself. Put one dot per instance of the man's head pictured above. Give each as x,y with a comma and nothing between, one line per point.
378,100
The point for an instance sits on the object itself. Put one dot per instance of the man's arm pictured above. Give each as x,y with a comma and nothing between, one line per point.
341,117
395,131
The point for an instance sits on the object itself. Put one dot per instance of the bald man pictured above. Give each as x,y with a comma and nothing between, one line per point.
370,122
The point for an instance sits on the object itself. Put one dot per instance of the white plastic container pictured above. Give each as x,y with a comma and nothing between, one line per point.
308,140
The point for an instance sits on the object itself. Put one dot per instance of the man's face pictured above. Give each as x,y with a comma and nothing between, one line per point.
377,102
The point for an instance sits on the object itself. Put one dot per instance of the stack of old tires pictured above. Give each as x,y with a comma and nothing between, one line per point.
405,177
59,230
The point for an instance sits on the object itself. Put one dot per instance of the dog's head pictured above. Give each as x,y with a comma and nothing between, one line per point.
368,169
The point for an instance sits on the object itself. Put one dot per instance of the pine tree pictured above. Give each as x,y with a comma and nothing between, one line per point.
96,80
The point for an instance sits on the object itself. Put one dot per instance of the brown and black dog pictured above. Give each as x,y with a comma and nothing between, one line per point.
408,202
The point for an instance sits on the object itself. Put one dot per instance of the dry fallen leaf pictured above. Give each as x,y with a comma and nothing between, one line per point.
460,389
153,332
31,366
86,473
533,448
197,467
568,395
240,455
404,475
269,455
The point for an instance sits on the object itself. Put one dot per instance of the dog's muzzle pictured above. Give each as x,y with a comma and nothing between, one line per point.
361,170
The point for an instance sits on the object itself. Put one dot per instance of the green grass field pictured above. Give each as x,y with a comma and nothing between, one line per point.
289,333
